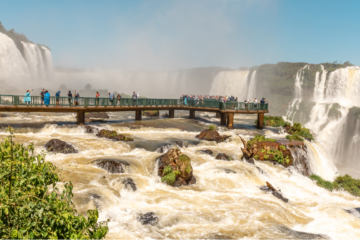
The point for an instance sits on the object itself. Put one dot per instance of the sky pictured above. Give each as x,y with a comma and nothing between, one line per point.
171,35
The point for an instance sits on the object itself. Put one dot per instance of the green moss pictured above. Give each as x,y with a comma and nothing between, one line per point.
295,137
282,147
212,127
266,156
188,168
256,156
169,175
184,158
300,131
167,170
346,183
259,138
274,121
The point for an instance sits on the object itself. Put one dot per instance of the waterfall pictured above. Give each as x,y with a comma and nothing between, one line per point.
230,83
294,104
12,64
319,90
48,62
34,59
252,86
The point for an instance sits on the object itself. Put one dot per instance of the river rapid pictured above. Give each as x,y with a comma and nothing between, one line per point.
225,203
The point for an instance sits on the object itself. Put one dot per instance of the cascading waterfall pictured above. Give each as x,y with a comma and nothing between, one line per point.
34,60
294,105
48,63
12,64
235,83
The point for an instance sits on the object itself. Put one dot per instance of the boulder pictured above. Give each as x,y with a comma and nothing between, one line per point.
110,165
164,148
113,135
4,115
229,170
293,234
165,115
90,129
96,115
294,151
207,151
129,184
250,160
180,144
223,156
58,146
273,191
212,135
150,113
148,218
175,167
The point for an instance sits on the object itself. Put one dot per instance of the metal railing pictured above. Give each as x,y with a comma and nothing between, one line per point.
19,100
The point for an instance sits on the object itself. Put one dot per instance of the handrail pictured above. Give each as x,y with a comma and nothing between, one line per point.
20,100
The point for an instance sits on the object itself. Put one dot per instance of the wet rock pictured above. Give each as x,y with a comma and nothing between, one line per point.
250,160
4,115
192,181
260,170
174,165
223,156
180,144
110,165
148,218
90,129
229,170
139,146
212,135
354,211
269,188
207,151
129,184
165,148
165,115
150,113
96,115
113,135
58,146
301,235
94,196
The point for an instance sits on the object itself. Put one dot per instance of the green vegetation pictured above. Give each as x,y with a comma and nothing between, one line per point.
212,127
277,156
259,138
184,158
346,183
295,137
274,121
31,205
300,131
169,175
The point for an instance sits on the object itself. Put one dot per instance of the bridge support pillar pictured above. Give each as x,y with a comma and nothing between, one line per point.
260,121
218,115
223,119
230,120
171,113
138,115
80,118
192,114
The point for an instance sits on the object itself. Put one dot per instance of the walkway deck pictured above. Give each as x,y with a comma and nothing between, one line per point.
13,103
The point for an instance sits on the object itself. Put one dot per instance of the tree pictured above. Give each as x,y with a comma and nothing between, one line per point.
31,206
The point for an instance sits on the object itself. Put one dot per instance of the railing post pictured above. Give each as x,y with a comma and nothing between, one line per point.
230,120
260,121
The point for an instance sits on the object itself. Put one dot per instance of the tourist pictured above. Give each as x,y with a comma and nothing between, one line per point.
118,100
138,95
262,103
111,98
27,97
134,98
97,99
185,100
255,104
76,98
47,98
57,95
42,94
70,98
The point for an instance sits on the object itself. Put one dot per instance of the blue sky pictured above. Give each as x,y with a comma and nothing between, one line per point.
167,35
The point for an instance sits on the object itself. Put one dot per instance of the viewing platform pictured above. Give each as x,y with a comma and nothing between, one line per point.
80,105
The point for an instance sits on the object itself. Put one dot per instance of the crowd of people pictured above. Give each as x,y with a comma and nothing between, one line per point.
186,98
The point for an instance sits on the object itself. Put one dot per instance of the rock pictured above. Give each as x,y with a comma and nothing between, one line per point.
113,135
192,181
180,144
165,148
4,115
129,184
301,235
259,169
139,146
250,160
207,151
276,193
90,129
223,156
110,165
150,113
165,115
212,135
229,170
97,115
58,146
148,218
174,165
354,211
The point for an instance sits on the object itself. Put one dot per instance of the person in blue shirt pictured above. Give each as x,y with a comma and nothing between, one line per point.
27,97
111,98
47,98
57,95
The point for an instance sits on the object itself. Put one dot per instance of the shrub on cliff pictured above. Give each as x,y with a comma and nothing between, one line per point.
346,183
31,206
274,121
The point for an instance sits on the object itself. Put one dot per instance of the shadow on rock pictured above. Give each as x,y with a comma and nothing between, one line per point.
58,146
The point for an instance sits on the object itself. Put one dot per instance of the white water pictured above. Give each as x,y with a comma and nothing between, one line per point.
34,59
12,64
48,62
219,205
235,83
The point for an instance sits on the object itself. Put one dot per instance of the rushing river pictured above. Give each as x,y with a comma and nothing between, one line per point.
225,203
